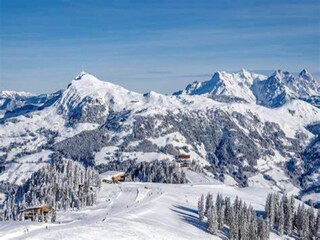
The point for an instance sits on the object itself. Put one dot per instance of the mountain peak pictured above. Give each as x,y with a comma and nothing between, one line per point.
278,73
245,72
80,75
305,74
304,71
281,75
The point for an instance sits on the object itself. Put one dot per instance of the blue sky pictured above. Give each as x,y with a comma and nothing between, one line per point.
152,45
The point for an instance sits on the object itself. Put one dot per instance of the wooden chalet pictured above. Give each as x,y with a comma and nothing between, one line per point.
113,176
38,213
184,160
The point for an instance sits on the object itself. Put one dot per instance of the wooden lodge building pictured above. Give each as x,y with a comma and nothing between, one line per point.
38,213
113,177
184,160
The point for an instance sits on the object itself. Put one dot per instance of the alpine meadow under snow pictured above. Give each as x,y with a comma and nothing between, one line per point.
248,142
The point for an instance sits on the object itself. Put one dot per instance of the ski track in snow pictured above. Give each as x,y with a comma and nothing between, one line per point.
136,211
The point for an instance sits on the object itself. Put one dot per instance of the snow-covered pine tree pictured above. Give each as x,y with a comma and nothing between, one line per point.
201,208
296,220
302,222
243,222
234,226
209,203
228,211
280,223
312,222
317,227
220,210
288,213
212,220
276,206
263,229
253,226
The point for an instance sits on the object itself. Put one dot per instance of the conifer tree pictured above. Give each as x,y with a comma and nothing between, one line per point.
209,203
201,208
212,220
253,229
317,227
263,229
289,214
228,211
234,227
280,223
220,211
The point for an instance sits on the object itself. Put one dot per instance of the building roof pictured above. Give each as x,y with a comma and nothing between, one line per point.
36,207
110,174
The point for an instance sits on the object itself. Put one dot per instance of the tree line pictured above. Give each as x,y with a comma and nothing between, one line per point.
240,221
156,171
285,219
62,184
161,171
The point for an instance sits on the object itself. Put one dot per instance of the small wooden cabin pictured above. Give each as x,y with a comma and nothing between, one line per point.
113,176
184,160
38,213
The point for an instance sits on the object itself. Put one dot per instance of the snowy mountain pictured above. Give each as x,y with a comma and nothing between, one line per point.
90,100
222,123
273,91
13,104
283,86
225,86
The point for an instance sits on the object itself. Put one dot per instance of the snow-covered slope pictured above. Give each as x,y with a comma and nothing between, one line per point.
136,211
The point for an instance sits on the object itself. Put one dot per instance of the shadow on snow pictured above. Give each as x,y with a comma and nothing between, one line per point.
190,215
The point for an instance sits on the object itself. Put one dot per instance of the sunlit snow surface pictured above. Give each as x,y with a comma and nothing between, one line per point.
136,211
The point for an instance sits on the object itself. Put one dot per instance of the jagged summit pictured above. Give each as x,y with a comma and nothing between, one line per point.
306,75
250,87
304,72
226,87
245,73
281,75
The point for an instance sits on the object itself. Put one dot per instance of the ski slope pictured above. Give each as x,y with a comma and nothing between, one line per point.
136,211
